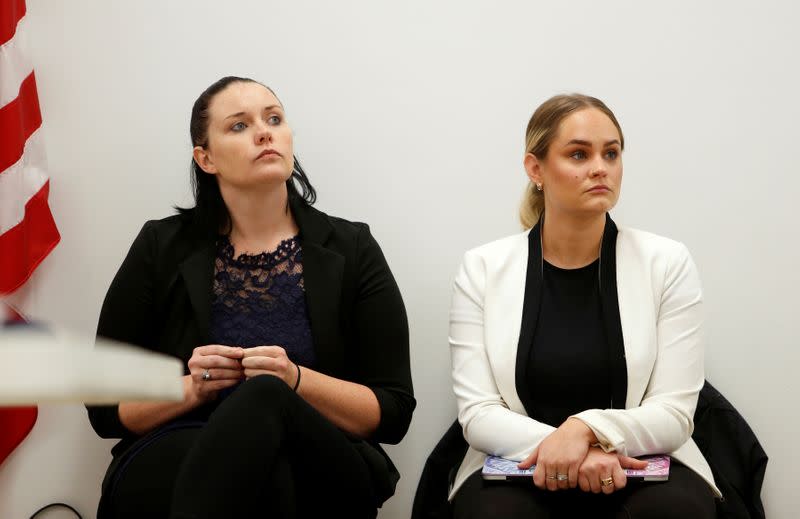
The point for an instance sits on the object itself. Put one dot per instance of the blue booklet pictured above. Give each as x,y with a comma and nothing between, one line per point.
496,468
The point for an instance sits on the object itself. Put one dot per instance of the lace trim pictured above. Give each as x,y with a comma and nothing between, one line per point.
267,259
260,299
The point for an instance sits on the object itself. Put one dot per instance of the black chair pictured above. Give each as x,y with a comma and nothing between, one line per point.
737,459
732,450
430,500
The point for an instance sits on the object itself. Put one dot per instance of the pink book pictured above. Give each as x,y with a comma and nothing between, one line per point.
496,468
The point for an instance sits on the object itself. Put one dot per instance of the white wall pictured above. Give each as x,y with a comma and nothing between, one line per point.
411,116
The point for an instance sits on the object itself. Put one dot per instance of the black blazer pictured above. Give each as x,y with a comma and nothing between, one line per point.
160,299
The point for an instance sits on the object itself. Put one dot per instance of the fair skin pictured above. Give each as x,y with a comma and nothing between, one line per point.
581,176
250,151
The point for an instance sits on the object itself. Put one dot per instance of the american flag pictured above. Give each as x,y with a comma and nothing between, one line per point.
27,230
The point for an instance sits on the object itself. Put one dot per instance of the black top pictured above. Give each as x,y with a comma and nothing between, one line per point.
259,300
161,299
611,324
569,363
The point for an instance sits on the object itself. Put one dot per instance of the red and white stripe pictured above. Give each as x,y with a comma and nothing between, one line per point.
27,230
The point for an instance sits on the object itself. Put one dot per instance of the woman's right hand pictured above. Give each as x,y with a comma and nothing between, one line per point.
559,456
223,364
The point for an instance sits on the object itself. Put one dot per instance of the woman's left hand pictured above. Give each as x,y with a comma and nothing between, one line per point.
559,456
269,360
604,471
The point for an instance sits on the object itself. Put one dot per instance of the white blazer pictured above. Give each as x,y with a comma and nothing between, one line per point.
659,295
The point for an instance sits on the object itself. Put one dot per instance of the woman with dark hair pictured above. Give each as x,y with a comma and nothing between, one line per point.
291,327
576,344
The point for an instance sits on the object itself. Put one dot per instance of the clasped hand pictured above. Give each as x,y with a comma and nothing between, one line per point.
269,360
214,367
565,459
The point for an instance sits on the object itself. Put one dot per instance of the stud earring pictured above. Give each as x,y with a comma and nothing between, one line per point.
539,186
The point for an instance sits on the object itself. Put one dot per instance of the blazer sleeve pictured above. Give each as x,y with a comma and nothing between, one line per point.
381,333
127,315
488,423
663,421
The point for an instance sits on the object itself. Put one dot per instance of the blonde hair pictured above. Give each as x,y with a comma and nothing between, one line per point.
542,129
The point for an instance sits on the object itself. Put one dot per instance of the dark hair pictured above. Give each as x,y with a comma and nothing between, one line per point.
210,213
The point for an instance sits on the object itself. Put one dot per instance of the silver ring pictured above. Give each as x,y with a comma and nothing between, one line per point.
206,375
562,477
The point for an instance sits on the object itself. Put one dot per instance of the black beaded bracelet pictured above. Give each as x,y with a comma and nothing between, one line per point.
297,384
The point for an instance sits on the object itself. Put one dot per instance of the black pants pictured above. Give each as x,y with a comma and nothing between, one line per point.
685,495
264,452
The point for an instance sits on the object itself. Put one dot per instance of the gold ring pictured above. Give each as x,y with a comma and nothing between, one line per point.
551,478
606,482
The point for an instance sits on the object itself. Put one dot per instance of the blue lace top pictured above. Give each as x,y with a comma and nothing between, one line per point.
259,300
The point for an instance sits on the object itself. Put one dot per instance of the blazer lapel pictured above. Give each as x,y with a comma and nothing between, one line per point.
323,272
198,271
530,316
609,304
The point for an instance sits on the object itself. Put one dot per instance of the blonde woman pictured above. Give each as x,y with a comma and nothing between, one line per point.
576,344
